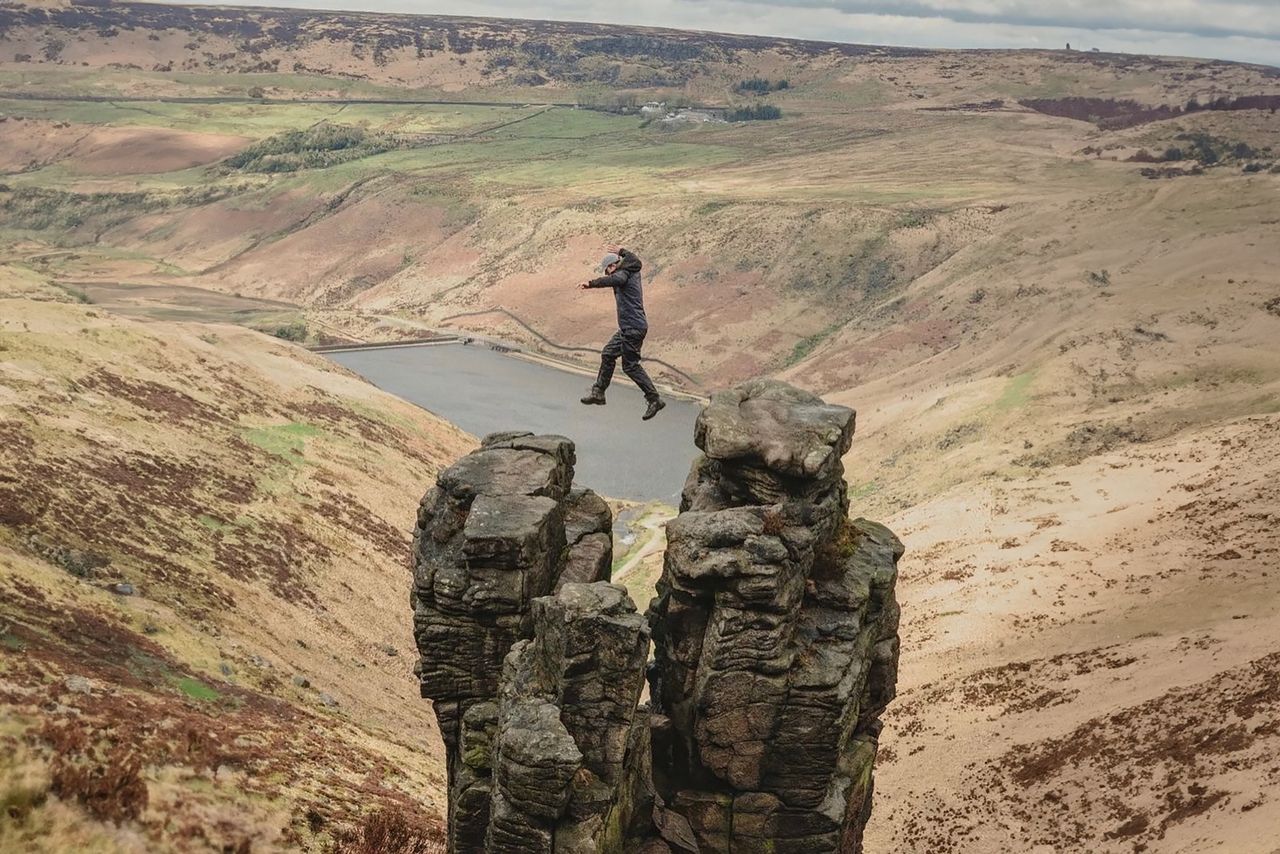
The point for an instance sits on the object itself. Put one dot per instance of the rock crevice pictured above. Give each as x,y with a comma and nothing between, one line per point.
774,645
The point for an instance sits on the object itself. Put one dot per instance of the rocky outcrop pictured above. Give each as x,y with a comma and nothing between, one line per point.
588,527
775,631
774,637
565,769
497,532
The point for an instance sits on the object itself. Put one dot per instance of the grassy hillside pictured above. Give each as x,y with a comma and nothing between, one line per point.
1045,279
200,533
887,168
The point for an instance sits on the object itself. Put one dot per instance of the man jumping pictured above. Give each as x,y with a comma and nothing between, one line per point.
622,273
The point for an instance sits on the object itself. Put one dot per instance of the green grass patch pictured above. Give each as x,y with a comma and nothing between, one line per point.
196,690
295,331
560,123
557,148
286,441
212,523
149,668
708,208
12,642
830,87
75,293
537,165
393,419
36,209
1015,393
457,201
540,162
808,344
638,526
863,490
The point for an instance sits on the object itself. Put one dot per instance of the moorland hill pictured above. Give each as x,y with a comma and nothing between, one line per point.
1045,279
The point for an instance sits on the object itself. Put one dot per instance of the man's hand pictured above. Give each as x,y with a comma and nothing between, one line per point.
584,286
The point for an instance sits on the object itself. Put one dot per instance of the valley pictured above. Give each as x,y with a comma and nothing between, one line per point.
1058,333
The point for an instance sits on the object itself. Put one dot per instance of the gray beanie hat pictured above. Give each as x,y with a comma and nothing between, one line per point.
608,259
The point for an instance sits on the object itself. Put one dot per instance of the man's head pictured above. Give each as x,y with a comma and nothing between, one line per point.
609,263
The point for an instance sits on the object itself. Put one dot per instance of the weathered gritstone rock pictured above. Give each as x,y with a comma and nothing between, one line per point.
774,631
568,724
589,529
501,528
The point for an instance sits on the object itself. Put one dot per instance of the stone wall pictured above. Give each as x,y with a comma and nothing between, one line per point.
774,639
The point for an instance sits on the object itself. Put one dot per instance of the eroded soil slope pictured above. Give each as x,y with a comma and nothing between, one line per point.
201,531
1090,660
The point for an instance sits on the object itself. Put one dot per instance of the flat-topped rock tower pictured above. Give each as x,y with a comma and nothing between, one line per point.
770,650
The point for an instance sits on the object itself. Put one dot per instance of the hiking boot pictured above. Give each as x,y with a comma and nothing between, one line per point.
655,406
595,396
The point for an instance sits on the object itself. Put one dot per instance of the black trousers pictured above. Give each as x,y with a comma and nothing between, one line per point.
625,343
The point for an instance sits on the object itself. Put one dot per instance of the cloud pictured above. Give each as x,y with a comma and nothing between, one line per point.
1212,18
1244,30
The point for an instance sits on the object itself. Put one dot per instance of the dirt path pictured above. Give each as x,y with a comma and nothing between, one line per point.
657,528
692,380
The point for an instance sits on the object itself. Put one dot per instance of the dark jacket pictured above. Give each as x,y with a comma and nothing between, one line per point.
627,292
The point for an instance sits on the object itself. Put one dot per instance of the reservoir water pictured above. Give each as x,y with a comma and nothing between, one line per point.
483,391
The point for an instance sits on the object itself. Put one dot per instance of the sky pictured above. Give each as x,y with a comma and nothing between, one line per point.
1245,30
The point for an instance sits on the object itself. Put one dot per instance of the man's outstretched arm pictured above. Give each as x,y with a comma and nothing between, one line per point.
614,280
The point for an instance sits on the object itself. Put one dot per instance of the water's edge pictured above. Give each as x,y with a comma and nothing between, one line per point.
482,391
